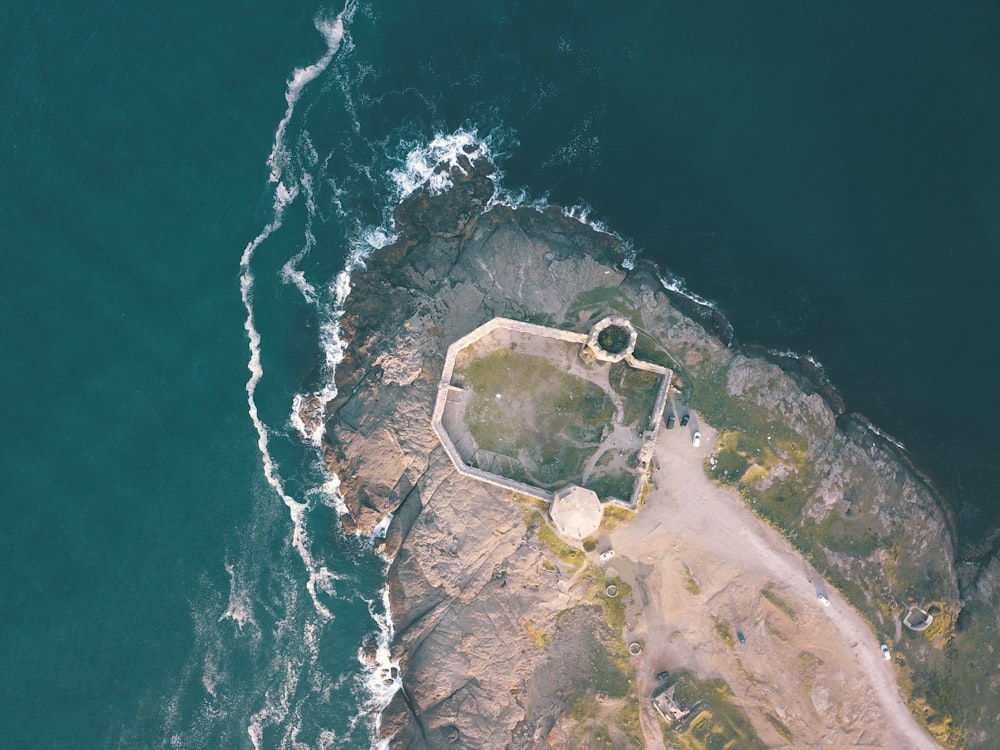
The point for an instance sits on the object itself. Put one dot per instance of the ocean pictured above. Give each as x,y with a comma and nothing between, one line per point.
188,187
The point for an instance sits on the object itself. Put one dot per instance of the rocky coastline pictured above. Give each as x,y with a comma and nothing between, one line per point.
479,592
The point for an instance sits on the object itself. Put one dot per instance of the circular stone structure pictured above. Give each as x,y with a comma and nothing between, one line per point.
614,321
576,512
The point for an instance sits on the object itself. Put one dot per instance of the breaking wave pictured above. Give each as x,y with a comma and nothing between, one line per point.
674,283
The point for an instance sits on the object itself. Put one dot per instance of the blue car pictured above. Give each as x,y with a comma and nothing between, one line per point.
741,637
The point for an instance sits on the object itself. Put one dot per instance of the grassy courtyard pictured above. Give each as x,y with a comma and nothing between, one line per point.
538,413
524,407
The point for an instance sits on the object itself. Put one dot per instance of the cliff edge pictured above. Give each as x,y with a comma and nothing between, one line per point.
507,636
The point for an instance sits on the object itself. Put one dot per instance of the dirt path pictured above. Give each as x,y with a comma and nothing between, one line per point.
698,560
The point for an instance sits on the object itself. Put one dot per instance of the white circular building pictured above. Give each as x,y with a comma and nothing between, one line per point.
576,512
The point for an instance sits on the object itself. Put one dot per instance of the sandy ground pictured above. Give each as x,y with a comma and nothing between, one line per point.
820,673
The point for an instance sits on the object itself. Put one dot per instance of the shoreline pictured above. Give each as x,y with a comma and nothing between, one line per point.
809,374
446,275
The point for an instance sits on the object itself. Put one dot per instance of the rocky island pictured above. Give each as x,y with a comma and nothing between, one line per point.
696,548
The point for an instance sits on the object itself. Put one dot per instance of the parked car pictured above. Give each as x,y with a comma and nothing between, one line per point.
823,600
685,419
740,637
607,554
885,652
670,421
696,440
661,676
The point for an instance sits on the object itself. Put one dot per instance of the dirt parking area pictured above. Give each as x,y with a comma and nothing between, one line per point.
704,568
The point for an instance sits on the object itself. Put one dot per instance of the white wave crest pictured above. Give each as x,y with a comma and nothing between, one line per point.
519,198
283,197
382,527
383,678
276,705
290,272
882,434
581,212
333,31
329,495
789,354
296,509
674,283
429,165
239,608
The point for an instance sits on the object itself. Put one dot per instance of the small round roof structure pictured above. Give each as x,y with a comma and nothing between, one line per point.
576,512
613,322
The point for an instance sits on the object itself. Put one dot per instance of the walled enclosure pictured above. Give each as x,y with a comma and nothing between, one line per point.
535,409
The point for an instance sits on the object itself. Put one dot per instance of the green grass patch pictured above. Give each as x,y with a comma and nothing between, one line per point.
809,666
942,627
722,724
769,593
779,726
557,417
606,668
647,350
728,464
615,515
637,389
627,720
612,484
725,632
781,503
557,463
605,459
551,541
614,339
760,433
690,582
845,536
534,513
613,607
600,298
603,301
539,637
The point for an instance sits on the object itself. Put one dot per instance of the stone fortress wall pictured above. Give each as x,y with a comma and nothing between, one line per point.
448,393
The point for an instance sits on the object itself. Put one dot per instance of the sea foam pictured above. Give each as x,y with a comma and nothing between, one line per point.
429,165
279,161
333,31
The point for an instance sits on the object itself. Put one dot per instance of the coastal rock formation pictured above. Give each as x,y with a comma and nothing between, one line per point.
479,586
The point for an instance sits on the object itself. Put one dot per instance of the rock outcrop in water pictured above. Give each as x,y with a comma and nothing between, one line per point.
479,589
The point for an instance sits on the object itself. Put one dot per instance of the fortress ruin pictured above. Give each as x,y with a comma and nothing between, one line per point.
539,410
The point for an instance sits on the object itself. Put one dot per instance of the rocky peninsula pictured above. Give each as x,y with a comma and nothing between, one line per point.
707,626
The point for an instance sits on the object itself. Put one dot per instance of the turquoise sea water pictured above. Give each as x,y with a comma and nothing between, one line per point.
828,175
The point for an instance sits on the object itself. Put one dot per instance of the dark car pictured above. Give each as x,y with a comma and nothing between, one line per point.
741,637
670,422
662,676
685,419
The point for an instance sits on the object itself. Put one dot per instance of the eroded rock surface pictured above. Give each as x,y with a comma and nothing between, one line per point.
489,655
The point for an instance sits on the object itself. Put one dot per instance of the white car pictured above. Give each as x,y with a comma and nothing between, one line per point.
696,440
823,600
608,554
885,652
